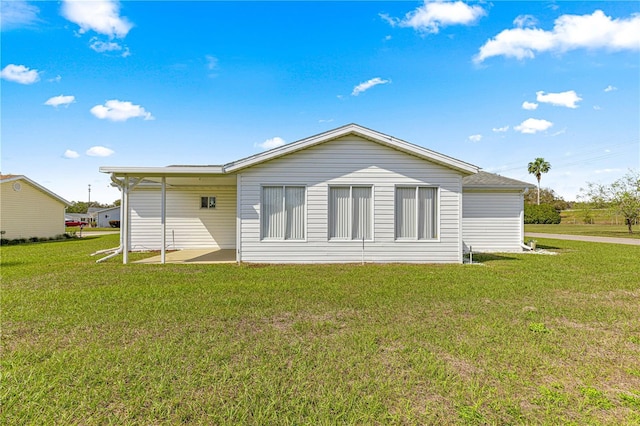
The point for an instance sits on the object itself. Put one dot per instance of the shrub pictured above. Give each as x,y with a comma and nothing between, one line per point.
16,241
542,214
114,223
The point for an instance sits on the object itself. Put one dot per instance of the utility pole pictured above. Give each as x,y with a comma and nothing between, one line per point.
89,204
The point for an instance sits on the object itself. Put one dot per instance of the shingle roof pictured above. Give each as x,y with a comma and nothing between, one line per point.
491,180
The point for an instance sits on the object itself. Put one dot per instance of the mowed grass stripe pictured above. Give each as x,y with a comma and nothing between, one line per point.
520,339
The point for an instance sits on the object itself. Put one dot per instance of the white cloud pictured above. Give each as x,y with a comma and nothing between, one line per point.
212,62
116,110
17,13
500,129
525,21
475,138
529,105
101,16
108,46
610,88
99,151
601,171
387,38
362,87
533,125
329,120
60,100
271,143
433,15
597,107
566,99
70,154
55,79
20,74
570,32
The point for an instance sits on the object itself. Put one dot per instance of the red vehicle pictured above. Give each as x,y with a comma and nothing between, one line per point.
72,223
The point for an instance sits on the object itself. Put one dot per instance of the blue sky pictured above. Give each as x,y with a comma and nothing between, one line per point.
496,84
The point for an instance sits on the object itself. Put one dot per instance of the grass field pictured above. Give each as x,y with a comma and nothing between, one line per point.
616,231
519,339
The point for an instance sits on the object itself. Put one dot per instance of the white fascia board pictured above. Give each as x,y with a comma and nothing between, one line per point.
372,135
162,171
287,149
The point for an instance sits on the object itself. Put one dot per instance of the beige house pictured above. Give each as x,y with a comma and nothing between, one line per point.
28,209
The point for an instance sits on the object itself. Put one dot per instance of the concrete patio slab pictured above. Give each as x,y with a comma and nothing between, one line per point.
195,256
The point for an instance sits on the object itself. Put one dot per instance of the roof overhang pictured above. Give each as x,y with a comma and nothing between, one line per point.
37,186
353,129
170,171
235,166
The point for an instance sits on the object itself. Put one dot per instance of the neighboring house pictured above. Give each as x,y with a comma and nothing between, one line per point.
80,217
104,216
28,209
347,195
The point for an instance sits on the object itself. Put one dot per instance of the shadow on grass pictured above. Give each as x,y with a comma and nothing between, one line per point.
489,257
10,263
547,247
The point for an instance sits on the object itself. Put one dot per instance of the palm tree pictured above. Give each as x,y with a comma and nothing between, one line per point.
537,167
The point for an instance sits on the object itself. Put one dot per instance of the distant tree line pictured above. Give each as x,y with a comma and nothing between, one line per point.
547,196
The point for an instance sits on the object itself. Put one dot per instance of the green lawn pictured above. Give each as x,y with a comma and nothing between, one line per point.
520,339
617,231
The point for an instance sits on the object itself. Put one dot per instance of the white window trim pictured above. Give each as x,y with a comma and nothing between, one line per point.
373,207
306,201
208,197
438,213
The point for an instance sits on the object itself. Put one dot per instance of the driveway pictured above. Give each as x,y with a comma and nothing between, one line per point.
628,241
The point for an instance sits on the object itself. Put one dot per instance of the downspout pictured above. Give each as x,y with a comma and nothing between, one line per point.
117,250
526,247
115,253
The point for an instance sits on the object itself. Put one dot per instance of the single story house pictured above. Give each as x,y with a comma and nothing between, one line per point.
28,209
80,217
104,216
350,194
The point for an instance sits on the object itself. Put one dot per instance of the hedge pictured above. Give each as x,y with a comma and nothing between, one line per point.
542,214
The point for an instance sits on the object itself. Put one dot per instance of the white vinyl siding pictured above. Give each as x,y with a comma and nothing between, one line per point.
283,212
350,213
492,221
350,161
416,213
187,224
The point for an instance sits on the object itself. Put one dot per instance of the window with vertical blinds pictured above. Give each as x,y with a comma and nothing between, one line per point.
416,213
283,213
350,213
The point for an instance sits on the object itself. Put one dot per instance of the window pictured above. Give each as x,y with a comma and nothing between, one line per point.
207,202
350,213
416,213
283,213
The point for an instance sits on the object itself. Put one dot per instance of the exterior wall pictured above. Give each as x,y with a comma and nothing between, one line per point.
350,160
29,212
493,221
103,217
188,225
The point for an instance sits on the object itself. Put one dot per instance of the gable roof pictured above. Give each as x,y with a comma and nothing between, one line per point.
353,129
486,180
13,178
349,129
